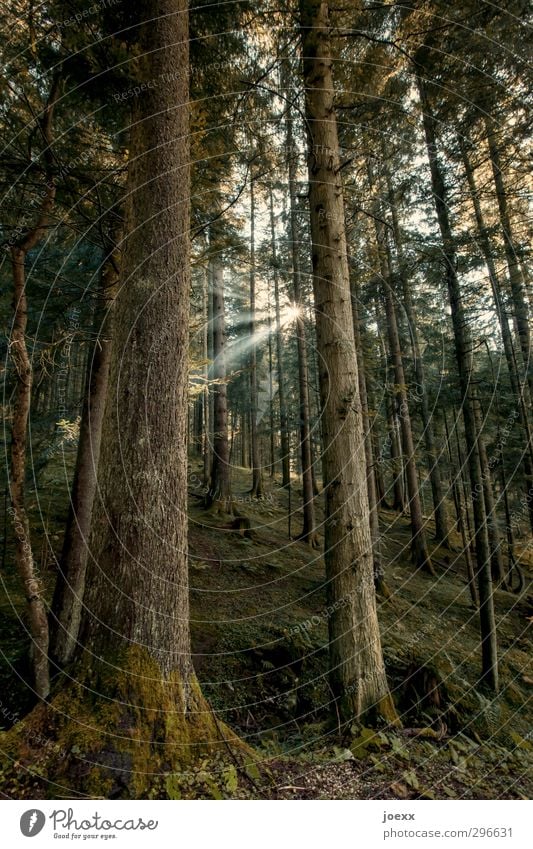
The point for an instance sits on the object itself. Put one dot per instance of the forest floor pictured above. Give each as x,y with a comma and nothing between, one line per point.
259,635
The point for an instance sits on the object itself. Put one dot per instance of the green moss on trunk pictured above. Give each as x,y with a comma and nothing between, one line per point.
116,732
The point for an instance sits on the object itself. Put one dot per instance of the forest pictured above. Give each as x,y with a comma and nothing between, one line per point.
267,381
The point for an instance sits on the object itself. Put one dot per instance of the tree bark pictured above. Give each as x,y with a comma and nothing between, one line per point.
356,670
137,576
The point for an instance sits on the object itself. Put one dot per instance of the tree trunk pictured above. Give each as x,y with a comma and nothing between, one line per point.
379,574
272,433
437,491
463,350
257,477
464,487
460,512
519,387
133,684
68,594
31,581
209,398
496,554
396,457
499,461
308,533
283,418
244,440
356,670
219,494
135,624
518,293
377,450
21,409
419,549
392,441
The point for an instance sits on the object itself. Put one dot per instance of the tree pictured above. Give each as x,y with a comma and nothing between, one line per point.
219,493
70,584
379,574
19,247
419,549
356,670
437,490
519,387
513,266
308,533
257,474
470,408
283,416
134,668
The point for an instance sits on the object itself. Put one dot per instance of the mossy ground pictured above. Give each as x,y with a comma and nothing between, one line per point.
259,635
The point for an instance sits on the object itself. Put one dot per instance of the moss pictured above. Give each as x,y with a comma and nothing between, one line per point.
122,742
386,710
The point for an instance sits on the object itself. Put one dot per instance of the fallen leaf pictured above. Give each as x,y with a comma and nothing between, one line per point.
399,790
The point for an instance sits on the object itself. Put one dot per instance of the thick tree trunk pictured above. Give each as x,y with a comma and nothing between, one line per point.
137,576
463,350
356,669
134,673
308,533
135,623
219,494
68,594
257,476
314,410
